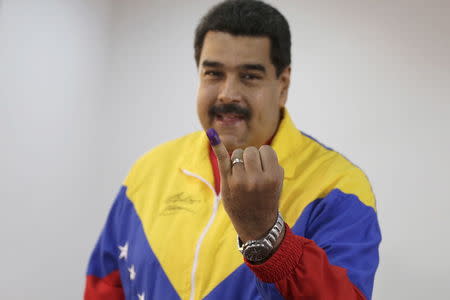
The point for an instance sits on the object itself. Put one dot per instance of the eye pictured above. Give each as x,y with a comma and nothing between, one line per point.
249,76
212,74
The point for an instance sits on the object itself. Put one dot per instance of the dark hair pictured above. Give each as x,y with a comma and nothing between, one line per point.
248,18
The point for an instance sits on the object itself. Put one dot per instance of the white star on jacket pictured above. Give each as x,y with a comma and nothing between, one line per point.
123,251
124,254
132,272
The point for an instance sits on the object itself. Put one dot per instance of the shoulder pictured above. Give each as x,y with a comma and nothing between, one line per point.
161,159
333,171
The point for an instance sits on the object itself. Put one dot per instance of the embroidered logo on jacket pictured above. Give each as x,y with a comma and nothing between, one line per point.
178,203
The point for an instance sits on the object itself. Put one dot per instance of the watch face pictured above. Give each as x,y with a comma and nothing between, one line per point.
256,253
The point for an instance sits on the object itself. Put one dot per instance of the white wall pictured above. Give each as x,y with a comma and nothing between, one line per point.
84,91
53,57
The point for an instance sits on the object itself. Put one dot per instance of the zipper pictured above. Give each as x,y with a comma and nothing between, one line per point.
205,230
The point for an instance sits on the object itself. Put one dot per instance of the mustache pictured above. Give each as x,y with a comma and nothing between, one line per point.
229,108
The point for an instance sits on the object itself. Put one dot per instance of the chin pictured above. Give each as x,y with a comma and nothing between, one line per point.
232,142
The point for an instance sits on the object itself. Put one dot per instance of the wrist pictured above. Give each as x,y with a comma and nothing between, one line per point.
279,240
248,230
259,250
275,248
283,261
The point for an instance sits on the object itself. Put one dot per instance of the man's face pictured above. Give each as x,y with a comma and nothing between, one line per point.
239,94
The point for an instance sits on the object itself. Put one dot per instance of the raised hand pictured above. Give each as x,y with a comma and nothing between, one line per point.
251,182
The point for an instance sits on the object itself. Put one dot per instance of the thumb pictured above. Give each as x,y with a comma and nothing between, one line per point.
221,152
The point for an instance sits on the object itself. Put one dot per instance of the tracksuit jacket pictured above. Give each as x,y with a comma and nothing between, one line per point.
168,236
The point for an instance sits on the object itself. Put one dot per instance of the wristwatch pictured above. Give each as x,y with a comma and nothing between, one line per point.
258,250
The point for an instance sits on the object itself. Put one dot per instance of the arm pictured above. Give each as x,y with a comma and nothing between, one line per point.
103,277
343,263
330,253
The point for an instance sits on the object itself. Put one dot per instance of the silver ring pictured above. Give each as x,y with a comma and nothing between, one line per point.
237,160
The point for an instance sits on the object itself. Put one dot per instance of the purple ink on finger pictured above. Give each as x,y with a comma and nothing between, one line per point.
213,137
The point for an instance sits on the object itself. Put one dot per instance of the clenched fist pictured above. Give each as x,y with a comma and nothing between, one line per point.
251,182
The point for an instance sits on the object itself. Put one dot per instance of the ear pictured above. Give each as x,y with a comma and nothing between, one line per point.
285,81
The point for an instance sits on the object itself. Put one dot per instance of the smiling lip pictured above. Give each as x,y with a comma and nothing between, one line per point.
228,119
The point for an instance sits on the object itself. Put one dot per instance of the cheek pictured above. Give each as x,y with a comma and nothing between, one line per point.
206,96
265,105
207,93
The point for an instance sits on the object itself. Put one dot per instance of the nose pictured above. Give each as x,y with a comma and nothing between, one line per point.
230,91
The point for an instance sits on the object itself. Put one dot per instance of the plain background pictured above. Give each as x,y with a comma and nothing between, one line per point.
86,87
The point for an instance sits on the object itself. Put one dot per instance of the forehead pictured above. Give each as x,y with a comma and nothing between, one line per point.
232,50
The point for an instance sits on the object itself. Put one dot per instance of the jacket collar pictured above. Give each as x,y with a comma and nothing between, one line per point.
288,143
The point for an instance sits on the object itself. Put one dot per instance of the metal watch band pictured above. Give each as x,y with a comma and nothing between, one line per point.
259,250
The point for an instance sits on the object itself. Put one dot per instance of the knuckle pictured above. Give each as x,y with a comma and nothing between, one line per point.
251,153
237,185
251,185
268,151
271,181
221,156
281,172
265,148
237,153
251,149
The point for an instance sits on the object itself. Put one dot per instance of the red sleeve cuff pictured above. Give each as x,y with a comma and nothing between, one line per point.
106,288
283,262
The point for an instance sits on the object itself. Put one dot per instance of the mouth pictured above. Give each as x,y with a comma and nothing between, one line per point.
229,119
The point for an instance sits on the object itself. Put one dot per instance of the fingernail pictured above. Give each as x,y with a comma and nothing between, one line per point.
213,137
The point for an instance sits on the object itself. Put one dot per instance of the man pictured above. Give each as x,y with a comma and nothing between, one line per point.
302,215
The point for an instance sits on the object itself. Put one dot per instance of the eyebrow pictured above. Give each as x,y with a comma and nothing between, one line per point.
216,64
256,67
212,64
